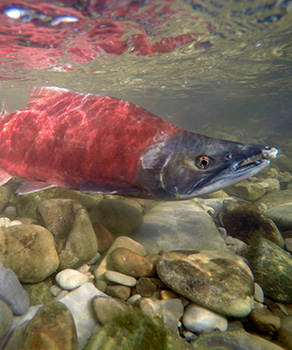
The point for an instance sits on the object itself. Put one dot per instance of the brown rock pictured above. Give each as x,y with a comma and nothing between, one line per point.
69,223
120,292
120,242
130,263
106,309
146,287
52,328
265,320
243,220
284,334
28,250
103,236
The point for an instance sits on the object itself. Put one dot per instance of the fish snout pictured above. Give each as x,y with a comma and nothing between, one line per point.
270,152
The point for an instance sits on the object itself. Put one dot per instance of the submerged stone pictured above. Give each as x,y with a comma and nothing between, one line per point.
117,216
12,292
178,225
69,223
281,215
29,250
247,190
201,320
233,340
219,281
6,318
272,269
134,330
51,328
243,220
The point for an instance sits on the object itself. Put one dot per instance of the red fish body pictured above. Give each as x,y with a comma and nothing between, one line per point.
103,144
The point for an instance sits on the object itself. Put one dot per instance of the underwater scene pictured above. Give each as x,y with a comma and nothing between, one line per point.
146,174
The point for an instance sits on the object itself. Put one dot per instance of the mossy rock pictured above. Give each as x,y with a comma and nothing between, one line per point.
132,330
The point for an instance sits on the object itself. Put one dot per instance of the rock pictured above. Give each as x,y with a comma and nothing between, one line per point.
244,221
273,185
16,339
219,281
95,259
107,309
117,216
79,303
281,215
247,190
26,204
120,278
5,222
233,340
69,223
6,318
39,293
274,199
168,294
264,320
235,245
51,328
69,279
12,293
288,244
16,333
29,250
201,320
10,212
171,310
272,269
130,263
120,242
146,287
5,195
258,293
133,299
120,292
135,330
178,225
284,335
103,236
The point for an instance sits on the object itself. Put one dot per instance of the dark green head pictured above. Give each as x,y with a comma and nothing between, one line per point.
186,165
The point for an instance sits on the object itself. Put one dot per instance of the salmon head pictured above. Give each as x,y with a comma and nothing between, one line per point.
188,164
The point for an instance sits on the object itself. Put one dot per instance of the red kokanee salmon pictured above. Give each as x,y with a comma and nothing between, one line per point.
97,143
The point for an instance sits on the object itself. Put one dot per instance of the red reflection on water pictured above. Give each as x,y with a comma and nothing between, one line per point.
43,34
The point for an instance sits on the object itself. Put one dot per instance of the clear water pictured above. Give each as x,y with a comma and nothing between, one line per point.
233,80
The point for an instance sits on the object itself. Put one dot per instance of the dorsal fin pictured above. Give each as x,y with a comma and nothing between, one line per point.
4,108
39,95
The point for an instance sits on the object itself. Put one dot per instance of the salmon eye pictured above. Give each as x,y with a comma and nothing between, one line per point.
203,162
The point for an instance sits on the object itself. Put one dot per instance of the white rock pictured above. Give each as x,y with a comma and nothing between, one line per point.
199,319
5,222
79,303
120,278
15,223
69,279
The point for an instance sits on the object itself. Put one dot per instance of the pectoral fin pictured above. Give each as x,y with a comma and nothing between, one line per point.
4,177
33,186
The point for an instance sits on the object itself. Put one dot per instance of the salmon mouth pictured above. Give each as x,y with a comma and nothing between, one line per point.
261,160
